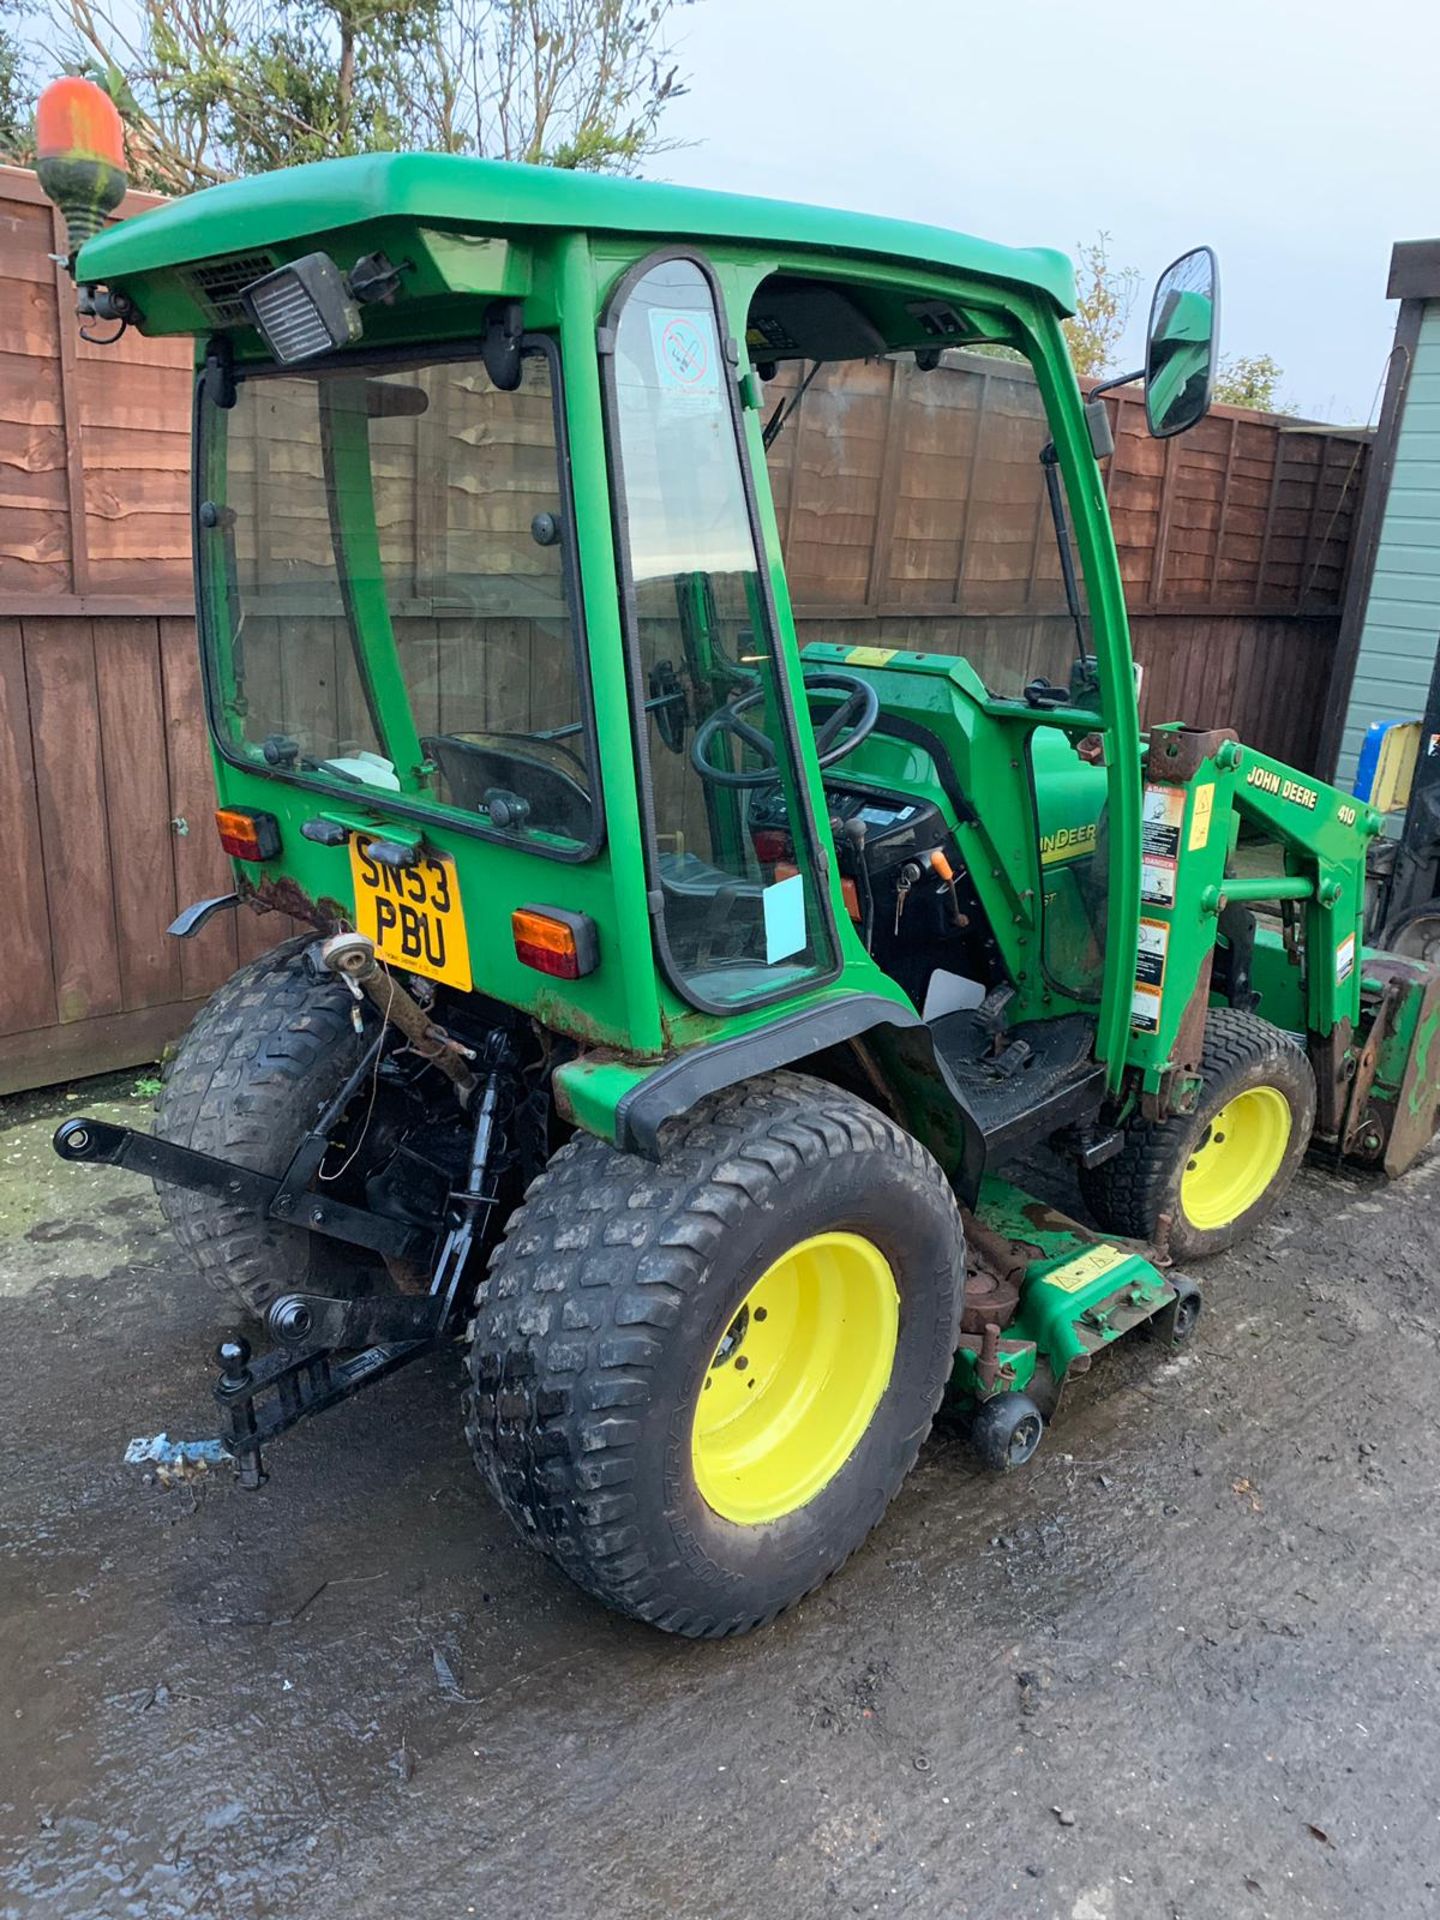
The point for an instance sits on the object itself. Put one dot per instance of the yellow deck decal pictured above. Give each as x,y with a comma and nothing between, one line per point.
1085,1267
870,656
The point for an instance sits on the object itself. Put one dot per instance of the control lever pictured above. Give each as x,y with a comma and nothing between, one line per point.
856,831
990,1014
942,868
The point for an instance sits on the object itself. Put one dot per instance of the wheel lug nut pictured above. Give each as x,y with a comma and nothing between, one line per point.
741,1364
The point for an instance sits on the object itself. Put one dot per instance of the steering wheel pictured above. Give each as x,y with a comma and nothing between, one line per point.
859,710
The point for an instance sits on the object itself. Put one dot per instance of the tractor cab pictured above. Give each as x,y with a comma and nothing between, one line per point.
403,645
672,987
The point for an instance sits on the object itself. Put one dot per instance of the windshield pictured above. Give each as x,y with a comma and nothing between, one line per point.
387,589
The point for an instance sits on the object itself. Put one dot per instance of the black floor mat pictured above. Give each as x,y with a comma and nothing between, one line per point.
1018,1097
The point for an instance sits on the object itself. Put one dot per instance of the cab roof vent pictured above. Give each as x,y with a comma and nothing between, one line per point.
218,284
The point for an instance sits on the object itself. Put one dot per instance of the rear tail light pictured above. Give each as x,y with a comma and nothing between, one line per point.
553,941
246,834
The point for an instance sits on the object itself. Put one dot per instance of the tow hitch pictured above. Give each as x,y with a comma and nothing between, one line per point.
327,1348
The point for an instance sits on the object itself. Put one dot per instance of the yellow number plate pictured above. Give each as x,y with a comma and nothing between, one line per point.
413,914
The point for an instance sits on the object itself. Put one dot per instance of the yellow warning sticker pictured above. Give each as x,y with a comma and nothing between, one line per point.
1085,1267
870,656
1200,814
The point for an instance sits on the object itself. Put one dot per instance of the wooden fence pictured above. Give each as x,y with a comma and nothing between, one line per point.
911,510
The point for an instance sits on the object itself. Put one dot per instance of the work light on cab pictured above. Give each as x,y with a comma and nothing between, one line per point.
247,834
80,154
304,310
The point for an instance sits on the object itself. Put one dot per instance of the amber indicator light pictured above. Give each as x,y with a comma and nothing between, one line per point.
246,834
553,941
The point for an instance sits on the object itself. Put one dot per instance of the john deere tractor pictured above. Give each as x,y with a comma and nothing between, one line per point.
669,1000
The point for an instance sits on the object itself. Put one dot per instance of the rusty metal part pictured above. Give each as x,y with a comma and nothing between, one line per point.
994,1273
352,957
1333,1057
1393,1134
987,1370
277,893
1363,1130
1178,753
1177,1090
991,1301
995,1358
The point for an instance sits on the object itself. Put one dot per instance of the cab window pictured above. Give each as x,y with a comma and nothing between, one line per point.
390,600
708,696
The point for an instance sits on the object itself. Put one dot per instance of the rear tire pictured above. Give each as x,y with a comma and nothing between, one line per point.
260,1062
1245,1140
622,1295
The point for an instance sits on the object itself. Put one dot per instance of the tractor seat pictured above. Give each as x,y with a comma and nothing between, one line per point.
687,876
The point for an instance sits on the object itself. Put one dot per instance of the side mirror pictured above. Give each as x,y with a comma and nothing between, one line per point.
1182,344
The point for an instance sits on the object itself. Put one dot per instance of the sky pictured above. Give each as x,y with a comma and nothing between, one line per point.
1300,141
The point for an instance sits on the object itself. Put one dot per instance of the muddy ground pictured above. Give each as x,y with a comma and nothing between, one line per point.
1185,1664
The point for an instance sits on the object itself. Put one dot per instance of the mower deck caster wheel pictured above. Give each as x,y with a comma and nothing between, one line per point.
1006,1431
1175,1324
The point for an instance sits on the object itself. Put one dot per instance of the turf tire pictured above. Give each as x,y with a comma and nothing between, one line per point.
1139,1189
258,1064
606,1300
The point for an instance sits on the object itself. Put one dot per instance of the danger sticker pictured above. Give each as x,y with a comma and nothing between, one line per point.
1345,958
1085,1267
1157,880
1160,843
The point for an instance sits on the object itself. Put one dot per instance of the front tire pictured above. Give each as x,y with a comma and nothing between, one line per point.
792,1237
1215,1174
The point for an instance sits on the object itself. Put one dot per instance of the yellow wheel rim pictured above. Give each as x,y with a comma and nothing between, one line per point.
795,1381
1236,1159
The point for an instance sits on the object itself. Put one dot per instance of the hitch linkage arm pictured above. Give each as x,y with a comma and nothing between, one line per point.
285,1199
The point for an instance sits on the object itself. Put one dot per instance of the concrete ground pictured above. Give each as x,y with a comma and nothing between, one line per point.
1185,1664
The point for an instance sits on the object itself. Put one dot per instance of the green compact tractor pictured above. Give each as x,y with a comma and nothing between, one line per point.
672,998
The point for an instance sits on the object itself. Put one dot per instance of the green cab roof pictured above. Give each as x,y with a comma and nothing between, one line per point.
449,189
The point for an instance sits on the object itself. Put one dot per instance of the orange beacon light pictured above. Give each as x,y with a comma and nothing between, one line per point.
80,154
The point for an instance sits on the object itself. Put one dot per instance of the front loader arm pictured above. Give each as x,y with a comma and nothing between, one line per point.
1199,786
1325,834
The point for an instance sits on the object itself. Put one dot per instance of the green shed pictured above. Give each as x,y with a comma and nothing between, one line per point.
1390,626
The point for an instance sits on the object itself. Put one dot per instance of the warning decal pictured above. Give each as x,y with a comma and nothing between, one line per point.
1157,881
1149,975
1200,812
1160,843
1345,958
1084,1268
1145,1009
1154,944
